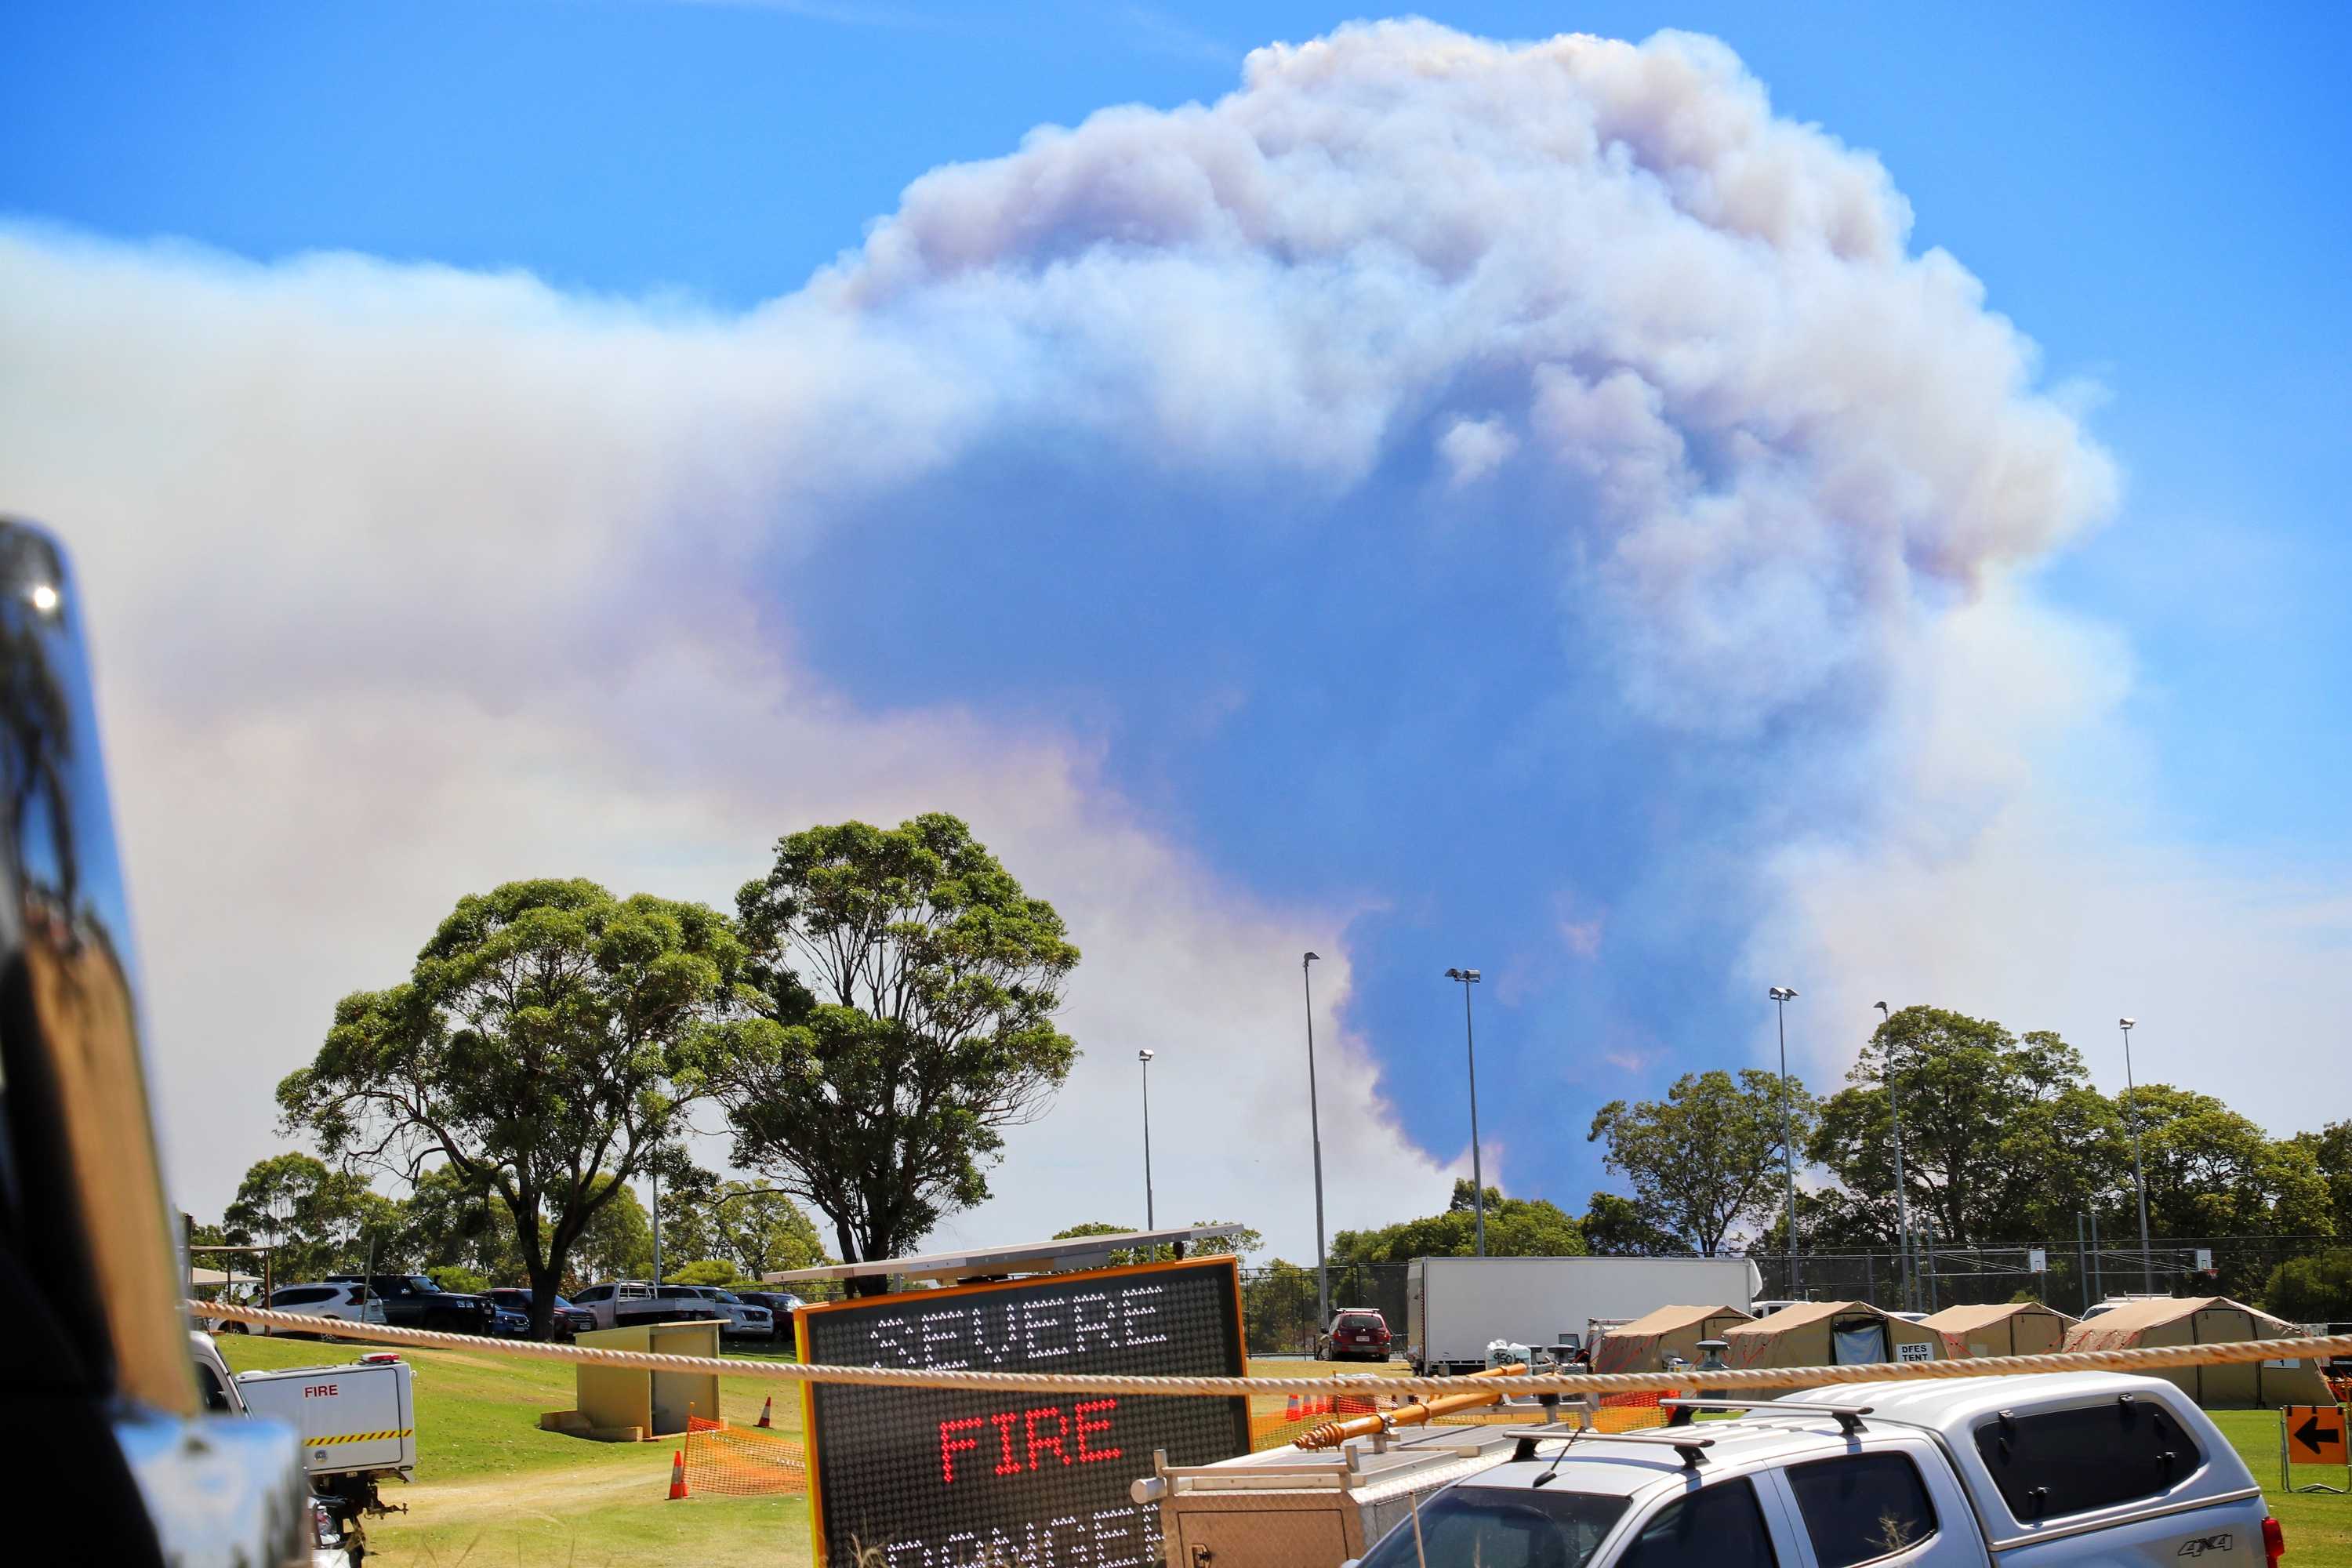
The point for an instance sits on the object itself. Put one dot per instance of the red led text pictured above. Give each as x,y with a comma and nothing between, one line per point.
1030,1439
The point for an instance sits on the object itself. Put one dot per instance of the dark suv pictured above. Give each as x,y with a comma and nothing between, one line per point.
1357,1334
414,1301
566,1320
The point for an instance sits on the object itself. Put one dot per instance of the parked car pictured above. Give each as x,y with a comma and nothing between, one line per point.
743,1320
334,1299
565,1321
414,1301
1354,1333
780,1305
619,1303
508,1324
2070,1468
331,1545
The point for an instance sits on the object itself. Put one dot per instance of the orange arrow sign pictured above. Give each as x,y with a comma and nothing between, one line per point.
2315,1434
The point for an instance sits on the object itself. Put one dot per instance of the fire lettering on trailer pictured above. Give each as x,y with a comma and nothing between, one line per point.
1012,1461
319,1391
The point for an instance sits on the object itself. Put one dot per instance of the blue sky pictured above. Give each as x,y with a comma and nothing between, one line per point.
1325,702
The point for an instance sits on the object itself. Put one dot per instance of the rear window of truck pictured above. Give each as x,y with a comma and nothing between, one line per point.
2051,1463
1861,1507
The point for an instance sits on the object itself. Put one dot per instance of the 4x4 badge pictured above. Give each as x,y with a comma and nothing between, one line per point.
2201,1545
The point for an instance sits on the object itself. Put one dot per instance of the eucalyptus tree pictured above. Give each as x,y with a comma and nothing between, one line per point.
544,1047
912,985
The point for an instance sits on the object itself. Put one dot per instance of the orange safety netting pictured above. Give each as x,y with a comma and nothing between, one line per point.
742,1461
1626,1412
1270,1428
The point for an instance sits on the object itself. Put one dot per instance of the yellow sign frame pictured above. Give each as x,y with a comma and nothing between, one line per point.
946,1293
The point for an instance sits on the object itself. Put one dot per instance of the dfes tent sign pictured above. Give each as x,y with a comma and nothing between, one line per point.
927,1478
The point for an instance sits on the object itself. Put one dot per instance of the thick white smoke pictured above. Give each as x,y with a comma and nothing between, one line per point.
409,580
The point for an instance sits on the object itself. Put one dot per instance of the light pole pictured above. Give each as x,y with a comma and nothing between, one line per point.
1315,1128
2140,1172
1781,996
1902,1199
1469,977
1149,1222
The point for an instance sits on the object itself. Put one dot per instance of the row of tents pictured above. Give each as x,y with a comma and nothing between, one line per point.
1847,1333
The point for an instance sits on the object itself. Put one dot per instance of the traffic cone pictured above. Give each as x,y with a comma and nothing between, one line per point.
676,1475
767,1408
1291,1413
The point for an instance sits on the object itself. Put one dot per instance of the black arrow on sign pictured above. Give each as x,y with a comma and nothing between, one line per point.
2310,1433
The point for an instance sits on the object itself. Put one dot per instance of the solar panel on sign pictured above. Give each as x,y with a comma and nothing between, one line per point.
930,1477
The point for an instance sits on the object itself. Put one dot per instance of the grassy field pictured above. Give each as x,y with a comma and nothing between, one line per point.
494,1492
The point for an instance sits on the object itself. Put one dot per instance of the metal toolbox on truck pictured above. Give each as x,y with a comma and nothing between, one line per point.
361,1417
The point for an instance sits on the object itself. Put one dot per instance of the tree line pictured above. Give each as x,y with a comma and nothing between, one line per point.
319,1221
2005,1143
879,1007
875,1012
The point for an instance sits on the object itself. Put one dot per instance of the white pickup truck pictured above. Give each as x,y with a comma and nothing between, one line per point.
2075,1469
358,1425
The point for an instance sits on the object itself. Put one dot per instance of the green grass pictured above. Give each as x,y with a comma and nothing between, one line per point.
2318,1525
494,1492
492,1489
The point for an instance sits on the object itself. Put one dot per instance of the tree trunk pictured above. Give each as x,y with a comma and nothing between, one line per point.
544,1280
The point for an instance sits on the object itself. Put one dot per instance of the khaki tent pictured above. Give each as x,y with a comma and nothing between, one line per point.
2007,1328
2204,1320
1644,1344
1831,1333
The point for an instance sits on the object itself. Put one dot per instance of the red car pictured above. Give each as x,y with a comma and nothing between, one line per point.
1357,1334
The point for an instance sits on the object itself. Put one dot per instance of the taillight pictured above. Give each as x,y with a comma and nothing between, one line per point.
2273,1542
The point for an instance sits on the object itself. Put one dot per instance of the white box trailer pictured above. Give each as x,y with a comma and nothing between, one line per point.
1456,1307
359,1419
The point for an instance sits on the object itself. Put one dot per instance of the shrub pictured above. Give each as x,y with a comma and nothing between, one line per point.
2316,1289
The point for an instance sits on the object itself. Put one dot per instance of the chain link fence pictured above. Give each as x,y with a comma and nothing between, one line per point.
2075,1274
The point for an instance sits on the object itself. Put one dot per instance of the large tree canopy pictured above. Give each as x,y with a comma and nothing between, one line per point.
1708,1156
2213,1173
317,1219
1516,1227
914,985
750,1228
2003,1138
542,1047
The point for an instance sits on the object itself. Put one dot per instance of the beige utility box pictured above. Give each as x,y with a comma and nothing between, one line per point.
1287,1508
615,1401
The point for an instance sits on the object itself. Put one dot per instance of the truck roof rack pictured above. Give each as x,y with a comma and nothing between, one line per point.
1692,1449
1848,1417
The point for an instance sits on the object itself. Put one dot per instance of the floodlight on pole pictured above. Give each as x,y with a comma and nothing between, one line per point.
1315,1131
1781,996
2140,1172
1469,977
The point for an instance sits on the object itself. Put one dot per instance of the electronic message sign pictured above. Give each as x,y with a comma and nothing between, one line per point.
931,1477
